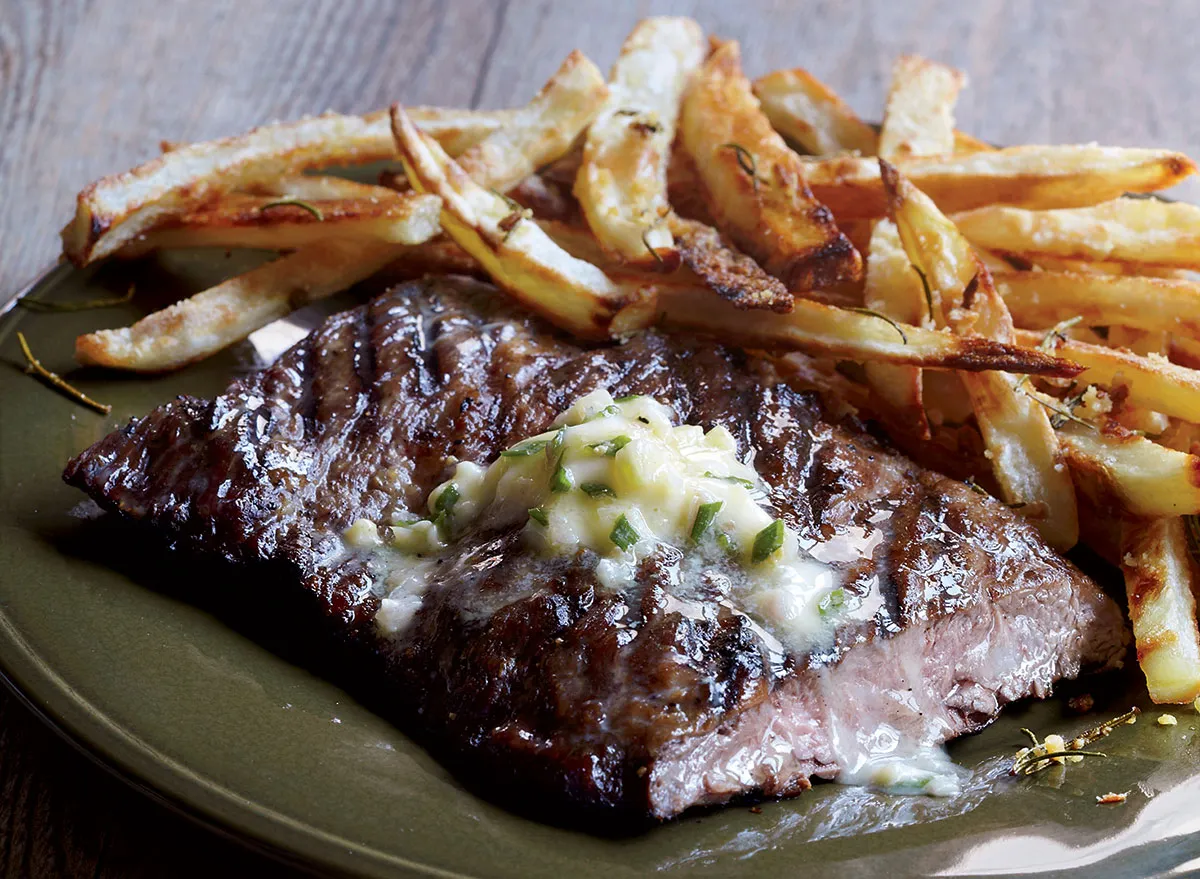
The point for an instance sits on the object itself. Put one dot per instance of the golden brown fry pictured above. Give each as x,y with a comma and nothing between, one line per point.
205,323
809,113
114,210
1133,231
1022,447
919,117
1145,478
1042,299
316,187
843,333
543,130
1026,176
894,289
263,222
730,274
516,253
1153,382
965,144
1160,579
622,181
754,184
438,257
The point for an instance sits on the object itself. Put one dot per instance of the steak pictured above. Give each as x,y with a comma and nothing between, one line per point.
526,672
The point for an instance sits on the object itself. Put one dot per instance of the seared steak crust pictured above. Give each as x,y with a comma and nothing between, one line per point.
644,700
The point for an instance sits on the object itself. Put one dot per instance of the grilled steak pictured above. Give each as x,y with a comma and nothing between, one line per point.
643,700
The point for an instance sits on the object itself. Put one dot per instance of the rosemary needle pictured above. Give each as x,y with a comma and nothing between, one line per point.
56,381
294,203
45,307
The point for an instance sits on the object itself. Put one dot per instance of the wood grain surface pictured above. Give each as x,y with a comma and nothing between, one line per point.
89,87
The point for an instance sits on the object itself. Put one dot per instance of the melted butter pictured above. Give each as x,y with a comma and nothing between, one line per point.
619,478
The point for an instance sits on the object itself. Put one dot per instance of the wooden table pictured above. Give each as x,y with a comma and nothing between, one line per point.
89,87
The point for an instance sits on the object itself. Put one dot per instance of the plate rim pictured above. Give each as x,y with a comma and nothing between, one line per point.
161,778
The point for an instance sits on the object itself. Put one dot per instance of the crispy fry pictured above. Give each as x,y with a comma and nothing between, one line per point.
541,131
216,318
516,253
826,330
1153,382
1042,299
622,182
809,113
730,274
1025,176
1022,447
438,257
1145,478
919,117
754,185
242,221
116,209
1159,580
965,144
894,289
316,187
1134,231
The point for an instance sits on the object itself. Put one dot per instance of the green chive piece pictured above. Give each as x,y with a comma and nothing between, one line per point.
525,449
447,499
538,514
610,447
597,489
604,413
627,399
728,545
562,480
833,600
736,480
767,542
623,534
704,519
555,446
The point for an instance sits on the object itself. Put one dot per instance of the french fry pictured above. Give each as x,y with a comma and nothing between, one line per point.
1042,299
316,187
1145,478
918,121
894,289
1153,382
729,274
114,210
754,185
843,333
514,251
1160,579
1124,411
810,114
1025,176
438,257
542,131
807,112
1022,446
1132,231
919,117
263,222
212,320
622,182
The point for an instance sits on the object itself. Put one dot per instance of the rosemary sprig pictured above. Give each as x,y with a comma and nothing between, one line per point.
1058,332
1061,416
1033,762
925,286
650,247
56,381
294,203
37,305
881,316
745,160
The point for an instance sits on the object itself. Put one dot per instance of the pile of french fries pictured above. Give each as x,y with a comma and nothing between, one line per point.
1022,317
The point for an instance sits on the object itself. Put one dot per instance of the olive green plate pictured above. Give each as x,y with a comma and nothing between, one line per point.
93,635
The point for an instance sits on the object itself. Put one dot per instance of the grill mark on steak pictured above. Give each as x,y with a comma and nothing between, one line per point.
645,700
